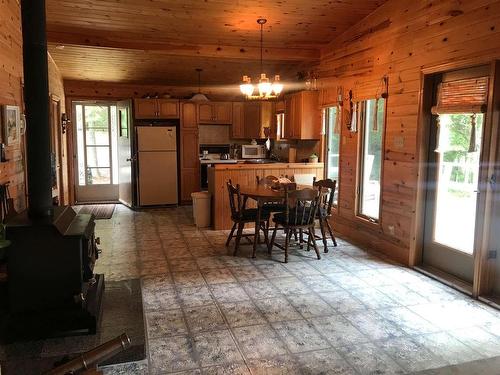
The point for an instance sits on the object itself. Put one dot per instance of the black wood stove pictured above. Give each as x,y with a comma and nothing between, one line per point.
51,288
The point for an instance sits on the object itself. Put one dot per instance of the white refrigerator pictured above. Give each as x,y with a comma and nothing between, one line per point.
157,163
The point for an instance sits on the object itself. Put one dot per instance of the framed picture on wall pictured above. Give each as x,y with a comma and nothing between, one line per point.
10,124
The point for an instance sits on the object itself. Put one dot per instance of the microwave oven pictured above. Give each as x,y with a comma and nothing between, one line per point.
253,151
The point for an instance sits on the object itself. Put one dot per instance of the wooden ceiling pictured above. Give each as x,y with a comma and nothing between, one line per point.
163,41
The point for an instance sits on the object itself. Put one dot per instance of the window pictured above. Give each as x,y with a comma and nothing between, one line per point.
372,120
331,123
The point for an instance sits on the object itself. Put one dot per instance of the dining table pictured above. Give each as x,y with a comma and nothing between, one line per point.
263,194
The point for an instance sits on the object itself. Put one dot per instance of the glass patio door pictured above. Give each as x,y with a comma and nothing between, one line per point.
96,152
453,189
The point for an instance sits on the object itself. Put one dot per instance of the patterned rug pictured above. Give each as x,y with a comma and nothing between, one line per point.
100,211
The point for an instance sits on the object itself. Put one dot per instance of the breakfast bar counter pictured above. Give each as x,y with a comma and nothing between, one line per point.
245,174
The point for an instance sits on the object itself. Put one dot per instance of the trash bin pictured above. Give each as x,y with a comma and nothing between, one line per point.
201,208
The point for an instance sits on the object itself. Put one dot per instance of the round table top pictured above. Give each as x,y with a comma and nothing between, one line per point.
264,191
261,191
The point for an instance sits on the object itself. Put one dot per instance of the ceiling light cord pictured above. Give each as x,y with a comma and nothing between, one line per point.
261,46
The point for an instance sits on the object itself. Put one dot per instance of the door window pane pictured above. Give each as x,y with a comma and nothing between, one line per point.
457,181
98,176
371,129
98,157
332,130
97,137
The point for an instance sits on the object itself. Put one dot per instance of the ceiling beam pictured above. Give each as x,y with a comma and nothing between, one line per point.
136,42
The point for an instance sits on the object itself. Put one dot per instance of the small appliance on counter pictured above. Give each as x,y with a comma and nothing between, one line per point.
253,152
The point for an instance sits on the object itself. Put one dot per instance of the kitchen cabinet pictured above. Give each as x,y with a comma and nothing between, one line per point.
189,153
302,116
215,113
156,109
237,128
188,116
251,118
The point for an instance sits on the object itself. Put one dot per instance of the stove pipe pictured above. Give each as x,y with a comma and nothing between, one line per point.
36,91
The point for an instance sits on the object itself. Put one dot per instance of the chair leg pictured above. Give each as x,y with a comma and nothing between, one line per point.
266,232
238,237
313,239
308,241
229,238
331,232
323,235
288,234
295,234
301,238
273,238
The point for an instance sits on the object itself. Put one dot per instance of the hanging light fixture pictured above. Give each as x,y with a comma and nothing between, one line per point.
199,97
266,89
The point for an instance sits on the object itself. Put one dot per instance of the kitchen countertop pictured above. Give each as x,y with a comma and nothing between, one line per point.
243,166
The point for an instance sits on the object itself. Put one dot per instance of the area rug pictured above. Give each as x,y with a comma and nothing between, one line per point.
121,313
100,211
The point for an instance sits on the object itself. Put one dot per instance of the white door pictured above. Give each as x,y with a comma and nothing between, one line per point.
125,157
96,152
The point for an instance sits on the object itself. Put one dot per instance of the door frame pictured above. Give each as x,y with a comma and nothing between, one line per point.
74,149
56,130
483,266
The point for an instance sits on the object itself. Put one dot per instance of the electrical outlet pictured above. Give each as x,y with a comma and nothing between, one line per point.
391,230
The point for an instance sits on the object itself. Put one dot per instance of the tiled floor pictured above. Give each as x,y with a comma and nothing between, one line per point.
352,312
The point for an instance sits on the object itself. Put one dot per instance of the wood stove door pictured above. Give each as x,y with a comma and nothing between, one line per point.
125,156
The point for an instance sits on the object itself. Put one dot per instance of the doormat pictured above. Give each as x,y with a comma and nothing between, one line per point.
100,211
121,313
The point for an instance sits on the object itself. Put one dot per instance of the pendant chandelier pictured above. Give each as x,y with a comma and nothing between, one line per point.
266,89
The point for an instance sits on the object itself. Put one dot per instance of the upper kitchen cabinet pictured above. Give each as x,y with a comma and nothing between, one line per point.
188,118
302,116
215,113
156,109
238,127
250,119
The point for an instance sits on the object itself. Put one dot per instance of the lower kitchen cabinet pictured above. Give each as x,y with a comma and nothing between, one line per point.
190,163
190,183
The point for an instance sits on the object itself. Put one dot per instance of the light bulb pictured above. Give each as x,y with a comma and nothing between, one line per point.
246,87
265,87
277,85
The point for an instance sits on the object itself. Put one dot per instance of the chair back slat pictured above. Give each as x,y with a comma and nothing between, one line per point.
301,206
327,186
234,199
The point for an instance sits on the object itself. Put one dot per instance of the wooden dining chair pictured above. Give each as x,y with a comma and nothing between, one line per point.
241,216
324,213
300,214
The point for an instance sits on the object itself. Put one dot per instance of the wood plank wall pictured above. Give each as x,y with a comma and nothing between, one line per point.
11,73
11,81
400,39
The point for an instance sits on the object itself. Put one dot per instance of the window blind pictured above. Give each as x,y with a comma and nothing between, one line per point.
462,96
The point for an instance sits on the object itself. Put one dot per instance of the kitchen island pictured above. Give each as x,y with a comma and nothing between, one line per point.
245,174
